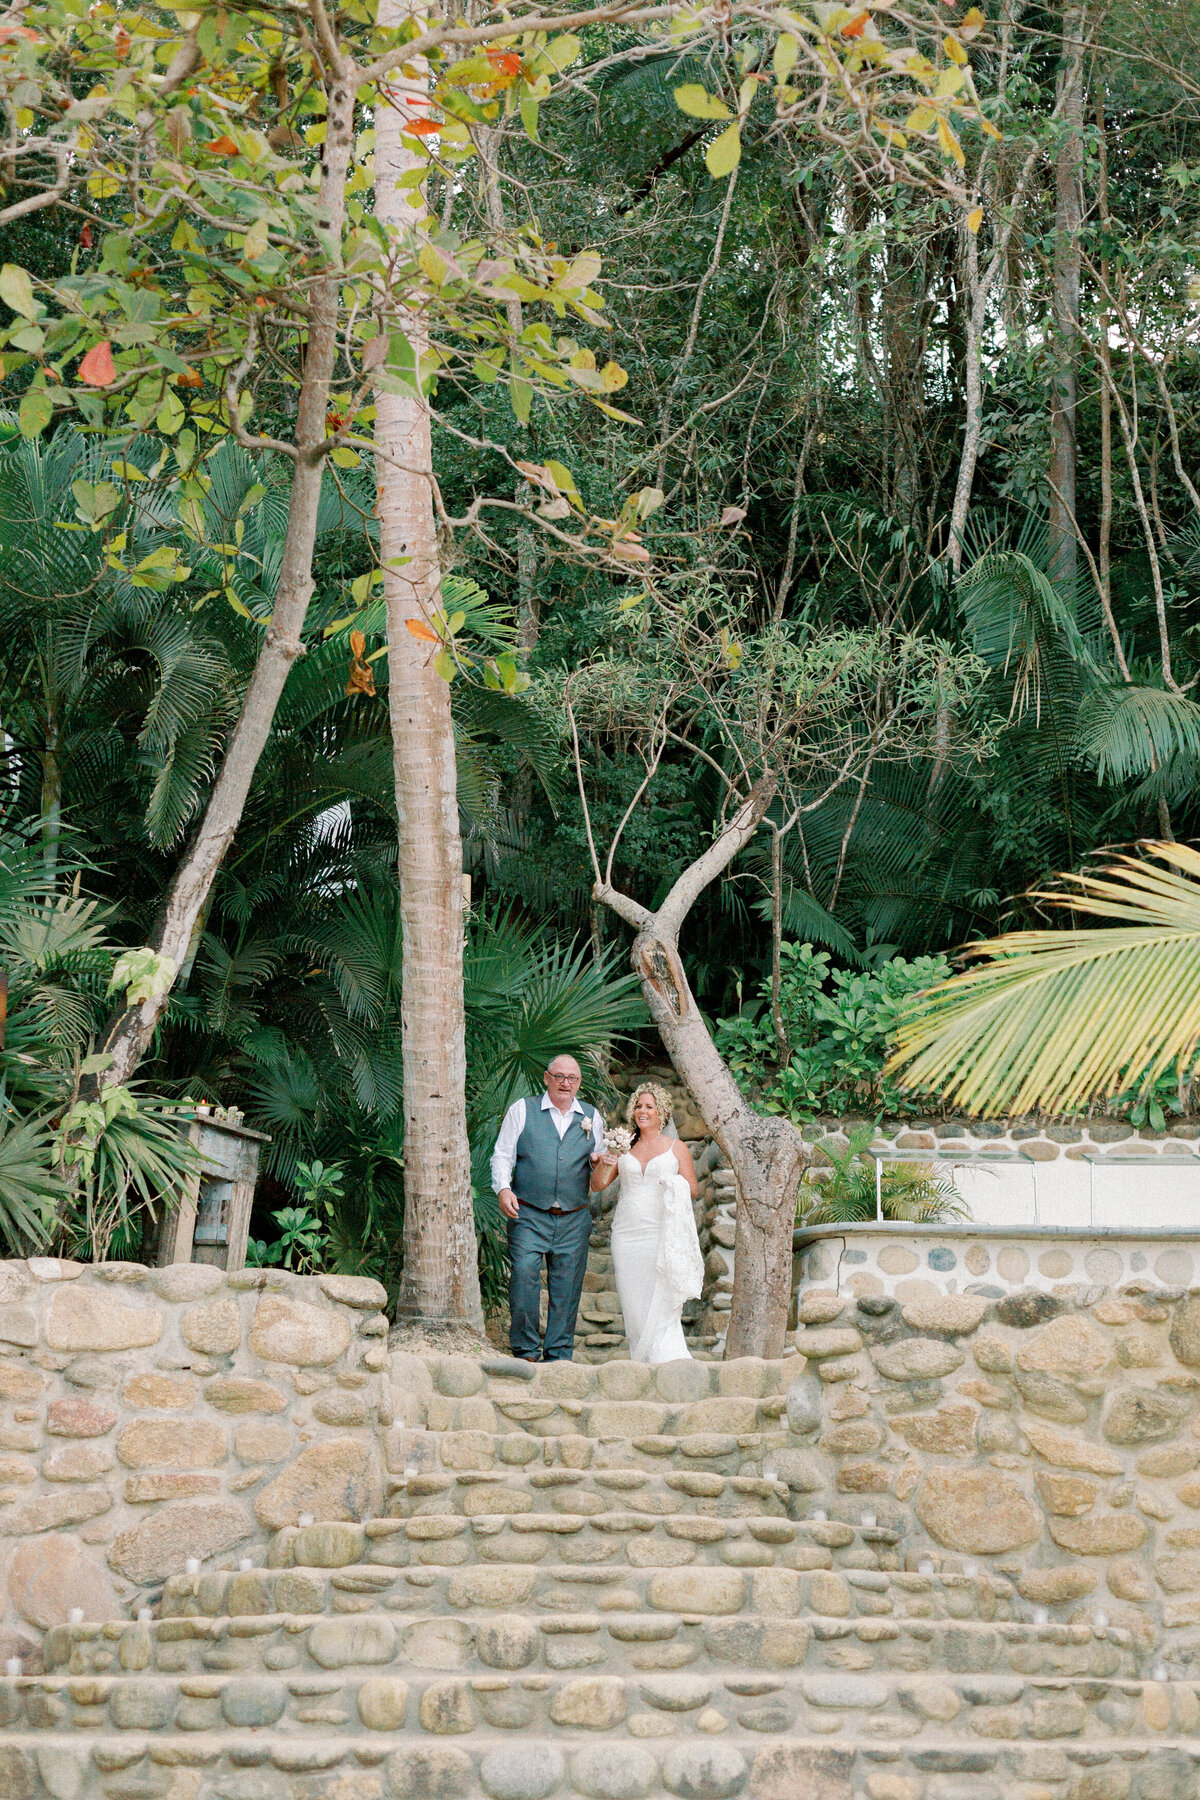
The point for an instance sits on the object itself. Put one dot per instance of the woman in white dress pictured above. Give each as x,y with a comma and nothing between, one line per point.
655,1249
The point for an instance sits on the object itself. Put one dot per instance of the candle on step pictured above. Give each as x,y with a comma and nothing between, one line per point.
1041,1616
144,1615
868,1520
925,1566
12,1665
1100,1621
192,1566
75,1616
820,1516
244,1563
305,1520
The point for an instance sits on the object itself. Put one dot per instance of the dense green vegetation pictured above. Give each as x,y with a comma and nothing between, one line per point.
863,412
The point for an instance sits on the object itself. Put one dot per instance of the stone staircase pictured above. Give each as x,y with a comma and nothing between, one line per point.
618,1583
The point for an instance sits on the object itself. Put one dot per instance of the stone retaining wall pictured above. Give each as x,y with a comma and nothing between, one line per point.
149,1415
916,1262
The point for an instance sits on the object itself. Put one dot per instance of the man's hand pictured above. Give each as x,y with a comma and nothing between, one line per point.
510,1206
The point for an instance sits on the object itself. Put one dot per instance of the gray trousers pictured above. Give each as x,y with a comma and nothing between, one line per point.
562,1239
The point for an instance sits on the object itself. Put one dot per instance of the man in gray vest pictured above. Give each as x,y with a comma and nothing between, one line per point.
541,1169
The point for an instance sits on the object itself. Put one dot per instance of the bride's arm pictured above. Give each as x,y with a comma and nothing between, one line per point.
687,1167
604,1171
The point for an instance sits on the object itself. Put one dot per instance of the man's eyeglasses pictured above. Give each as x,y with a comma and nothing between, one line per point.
566,1080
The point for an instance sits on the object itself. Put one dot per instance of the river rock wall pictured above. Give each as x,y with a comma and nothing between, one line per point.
151,1415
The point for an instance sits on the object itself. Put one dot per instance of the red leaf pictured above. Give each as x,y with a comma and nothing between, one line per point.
421,127
507,61
222,146
85,237
97,368
420,630
856,27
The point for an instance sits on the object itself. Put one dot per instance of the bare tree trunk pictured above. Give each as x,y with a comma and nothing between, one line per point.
441,1276
129,1034
1104,546
1064,341
767,1154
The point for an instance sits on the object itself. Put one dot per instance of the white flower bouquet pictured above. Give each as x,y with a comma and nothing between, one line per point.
618,1139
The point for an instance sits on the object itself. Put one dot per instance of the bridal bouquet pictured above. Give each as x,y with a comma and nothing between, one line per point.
618,1140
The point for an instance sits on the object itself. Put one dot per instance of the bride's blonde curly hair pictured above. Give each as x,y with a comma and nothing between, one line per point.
661,1099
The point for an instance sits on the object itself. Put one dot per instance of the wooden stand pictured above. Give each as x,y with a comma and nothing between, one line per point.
212,1221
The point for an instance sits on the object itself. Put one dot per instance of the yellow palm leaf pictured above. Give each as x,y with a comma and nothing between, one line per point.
1053,1019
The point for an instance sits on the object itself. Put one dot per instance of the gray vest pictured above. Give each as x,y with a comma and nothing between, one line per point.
549,1170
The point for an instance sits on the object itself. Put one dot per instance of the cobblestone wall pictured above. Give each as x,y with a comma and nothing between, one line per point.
151,1415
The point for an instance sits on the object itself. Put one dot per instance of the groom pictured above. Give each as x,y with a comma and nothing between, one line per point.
541,1168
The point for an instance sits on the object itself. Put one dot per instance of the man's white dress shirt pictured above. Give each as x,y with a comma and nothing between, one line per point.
505,1153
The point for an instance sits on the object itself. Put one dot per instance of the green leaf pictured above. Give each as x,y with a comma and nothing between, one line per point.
255,242
529,117
445,665
170,413
16,290
725,152
35,412
698,103
520,394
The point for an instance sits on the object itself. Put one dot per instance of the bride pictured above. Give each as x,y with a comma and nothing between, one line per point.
655,1249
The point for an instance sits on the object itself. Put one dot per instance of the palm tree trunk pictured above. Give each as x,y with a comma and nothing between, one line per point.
1064,343
441,1277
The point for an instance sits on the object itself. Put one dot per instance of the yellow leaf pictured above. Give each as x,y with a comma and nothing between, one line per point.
786,51
921,118
564,481
698,103
972,24
613,376
724,153
254,244
949,143
432,264
948,82
955,51
975,220
344,457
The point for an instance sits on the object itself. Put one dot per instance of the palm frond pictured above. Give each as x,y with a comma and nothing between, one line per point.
1136,731
1054,1018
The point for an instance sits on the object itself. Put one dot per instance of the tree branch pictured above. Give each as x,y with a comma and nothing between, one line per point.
696,877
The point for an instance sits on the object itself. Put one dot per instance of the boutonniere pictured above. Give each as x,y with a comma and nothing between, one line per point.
585,1124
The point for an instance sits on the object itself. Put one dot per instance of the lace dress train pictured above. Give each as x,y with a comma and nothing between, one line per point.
656,1256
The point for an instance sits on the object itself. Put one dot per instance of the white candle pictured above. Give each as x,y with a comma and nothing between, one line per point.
306,1519
925,1566
1040,1616
820,1515
192,1565
1159,1672
245,1563
970,1570
144,1615
1100,1621
868,1520
75,1616
12,1665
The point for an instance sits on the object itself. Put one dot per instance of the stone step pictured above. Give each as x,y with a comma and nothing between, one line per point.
600,1749
543,1415
638,1540
890,1706
560,1443
583,1491
603,1628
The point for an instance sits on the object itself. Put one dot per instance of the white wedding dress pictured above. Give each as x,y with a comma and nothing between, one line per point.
656,1256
